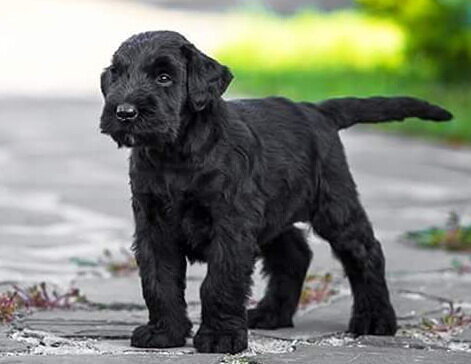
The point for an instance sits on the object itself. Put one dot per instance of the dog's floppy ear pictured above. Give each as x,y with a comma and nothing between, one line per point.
105,81
207,79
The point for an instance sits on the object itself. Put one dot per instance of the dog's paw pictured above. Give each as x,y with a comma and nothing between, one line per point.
268,319
150,336
374,322
228,342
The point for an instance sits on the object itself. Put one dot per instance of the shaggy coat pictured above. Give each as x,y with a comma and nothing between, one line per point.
223,182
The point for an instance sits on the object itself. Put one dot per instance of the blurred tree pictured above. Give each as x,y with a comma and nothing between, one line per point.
438,33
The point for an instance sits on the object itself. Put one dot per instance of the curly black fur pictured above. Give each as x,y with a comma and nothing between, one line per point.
222,182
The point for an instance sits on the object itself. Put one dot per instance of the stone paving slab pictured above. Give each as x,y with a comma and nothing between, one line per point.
403,342
465,335
334,317
108,330
8,345
123,346
121,318
85,323
410,308
114,359
124,290
370,355
448,286
317,322
127,289
105,323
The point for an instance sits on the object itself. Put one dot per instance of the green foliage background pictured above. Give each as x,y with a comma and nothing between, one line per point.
384,47
437,33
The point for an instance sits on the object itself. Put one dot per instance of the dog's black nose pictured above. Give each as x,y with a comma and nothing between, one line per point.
126,112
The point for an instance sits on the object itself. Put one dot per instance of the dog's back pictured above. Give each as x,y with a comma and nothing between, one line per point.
337,113
285,125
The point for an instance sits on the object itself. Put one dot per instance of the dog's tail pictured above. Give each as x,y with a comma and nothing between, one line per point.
350,111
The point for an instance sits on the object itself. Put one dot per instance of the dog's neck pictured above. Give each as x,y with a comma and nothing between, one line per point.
198,136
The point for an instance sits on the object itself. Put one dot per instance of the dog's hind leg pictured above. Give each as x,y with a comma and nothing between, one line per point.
342,221
285,260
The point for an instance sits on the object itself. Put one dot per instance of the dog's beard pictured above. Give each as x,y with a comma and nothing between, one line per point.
130,139
125,140
148,130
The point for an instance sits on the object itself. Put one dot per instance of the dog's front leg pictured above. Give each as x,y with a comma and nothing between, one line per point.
224,293
162,267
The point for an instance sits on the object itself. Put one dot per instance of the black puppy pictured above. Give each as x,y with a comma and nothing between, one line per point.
222,182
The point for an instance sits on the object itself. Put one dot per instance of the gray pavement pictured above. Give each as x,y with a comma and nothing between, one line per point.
64,194
342,355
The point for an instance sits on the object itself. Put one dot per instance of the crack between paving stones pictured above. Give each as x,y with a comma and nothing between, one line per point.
419,315
427,296
403,342
394,274
77,323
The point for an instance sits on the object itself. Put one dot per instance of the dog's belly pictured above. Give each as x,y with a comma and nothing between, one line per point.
272,230
281,214
196,227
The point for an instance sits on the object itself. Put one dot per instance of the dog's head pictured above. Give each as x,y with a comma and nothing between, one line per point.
156,81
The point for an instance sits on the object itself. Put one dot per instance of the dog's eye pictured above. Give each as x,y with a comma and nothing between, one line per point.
164,79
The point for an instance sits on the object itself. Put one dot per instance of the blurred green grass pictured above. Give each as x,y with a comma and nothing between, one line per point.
312,57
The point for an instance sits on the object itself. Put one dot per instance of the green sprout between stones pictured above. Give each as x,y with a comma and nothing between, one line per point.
461,267
317,289
36,296
454,319
117,265
453,236
8,306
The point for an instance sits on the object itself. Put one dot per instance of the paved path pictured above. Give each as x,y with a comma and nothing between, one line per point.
64,194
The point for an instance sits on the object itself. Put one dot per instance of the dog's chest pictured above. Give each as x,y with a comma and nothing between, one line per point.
183,201
178,186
